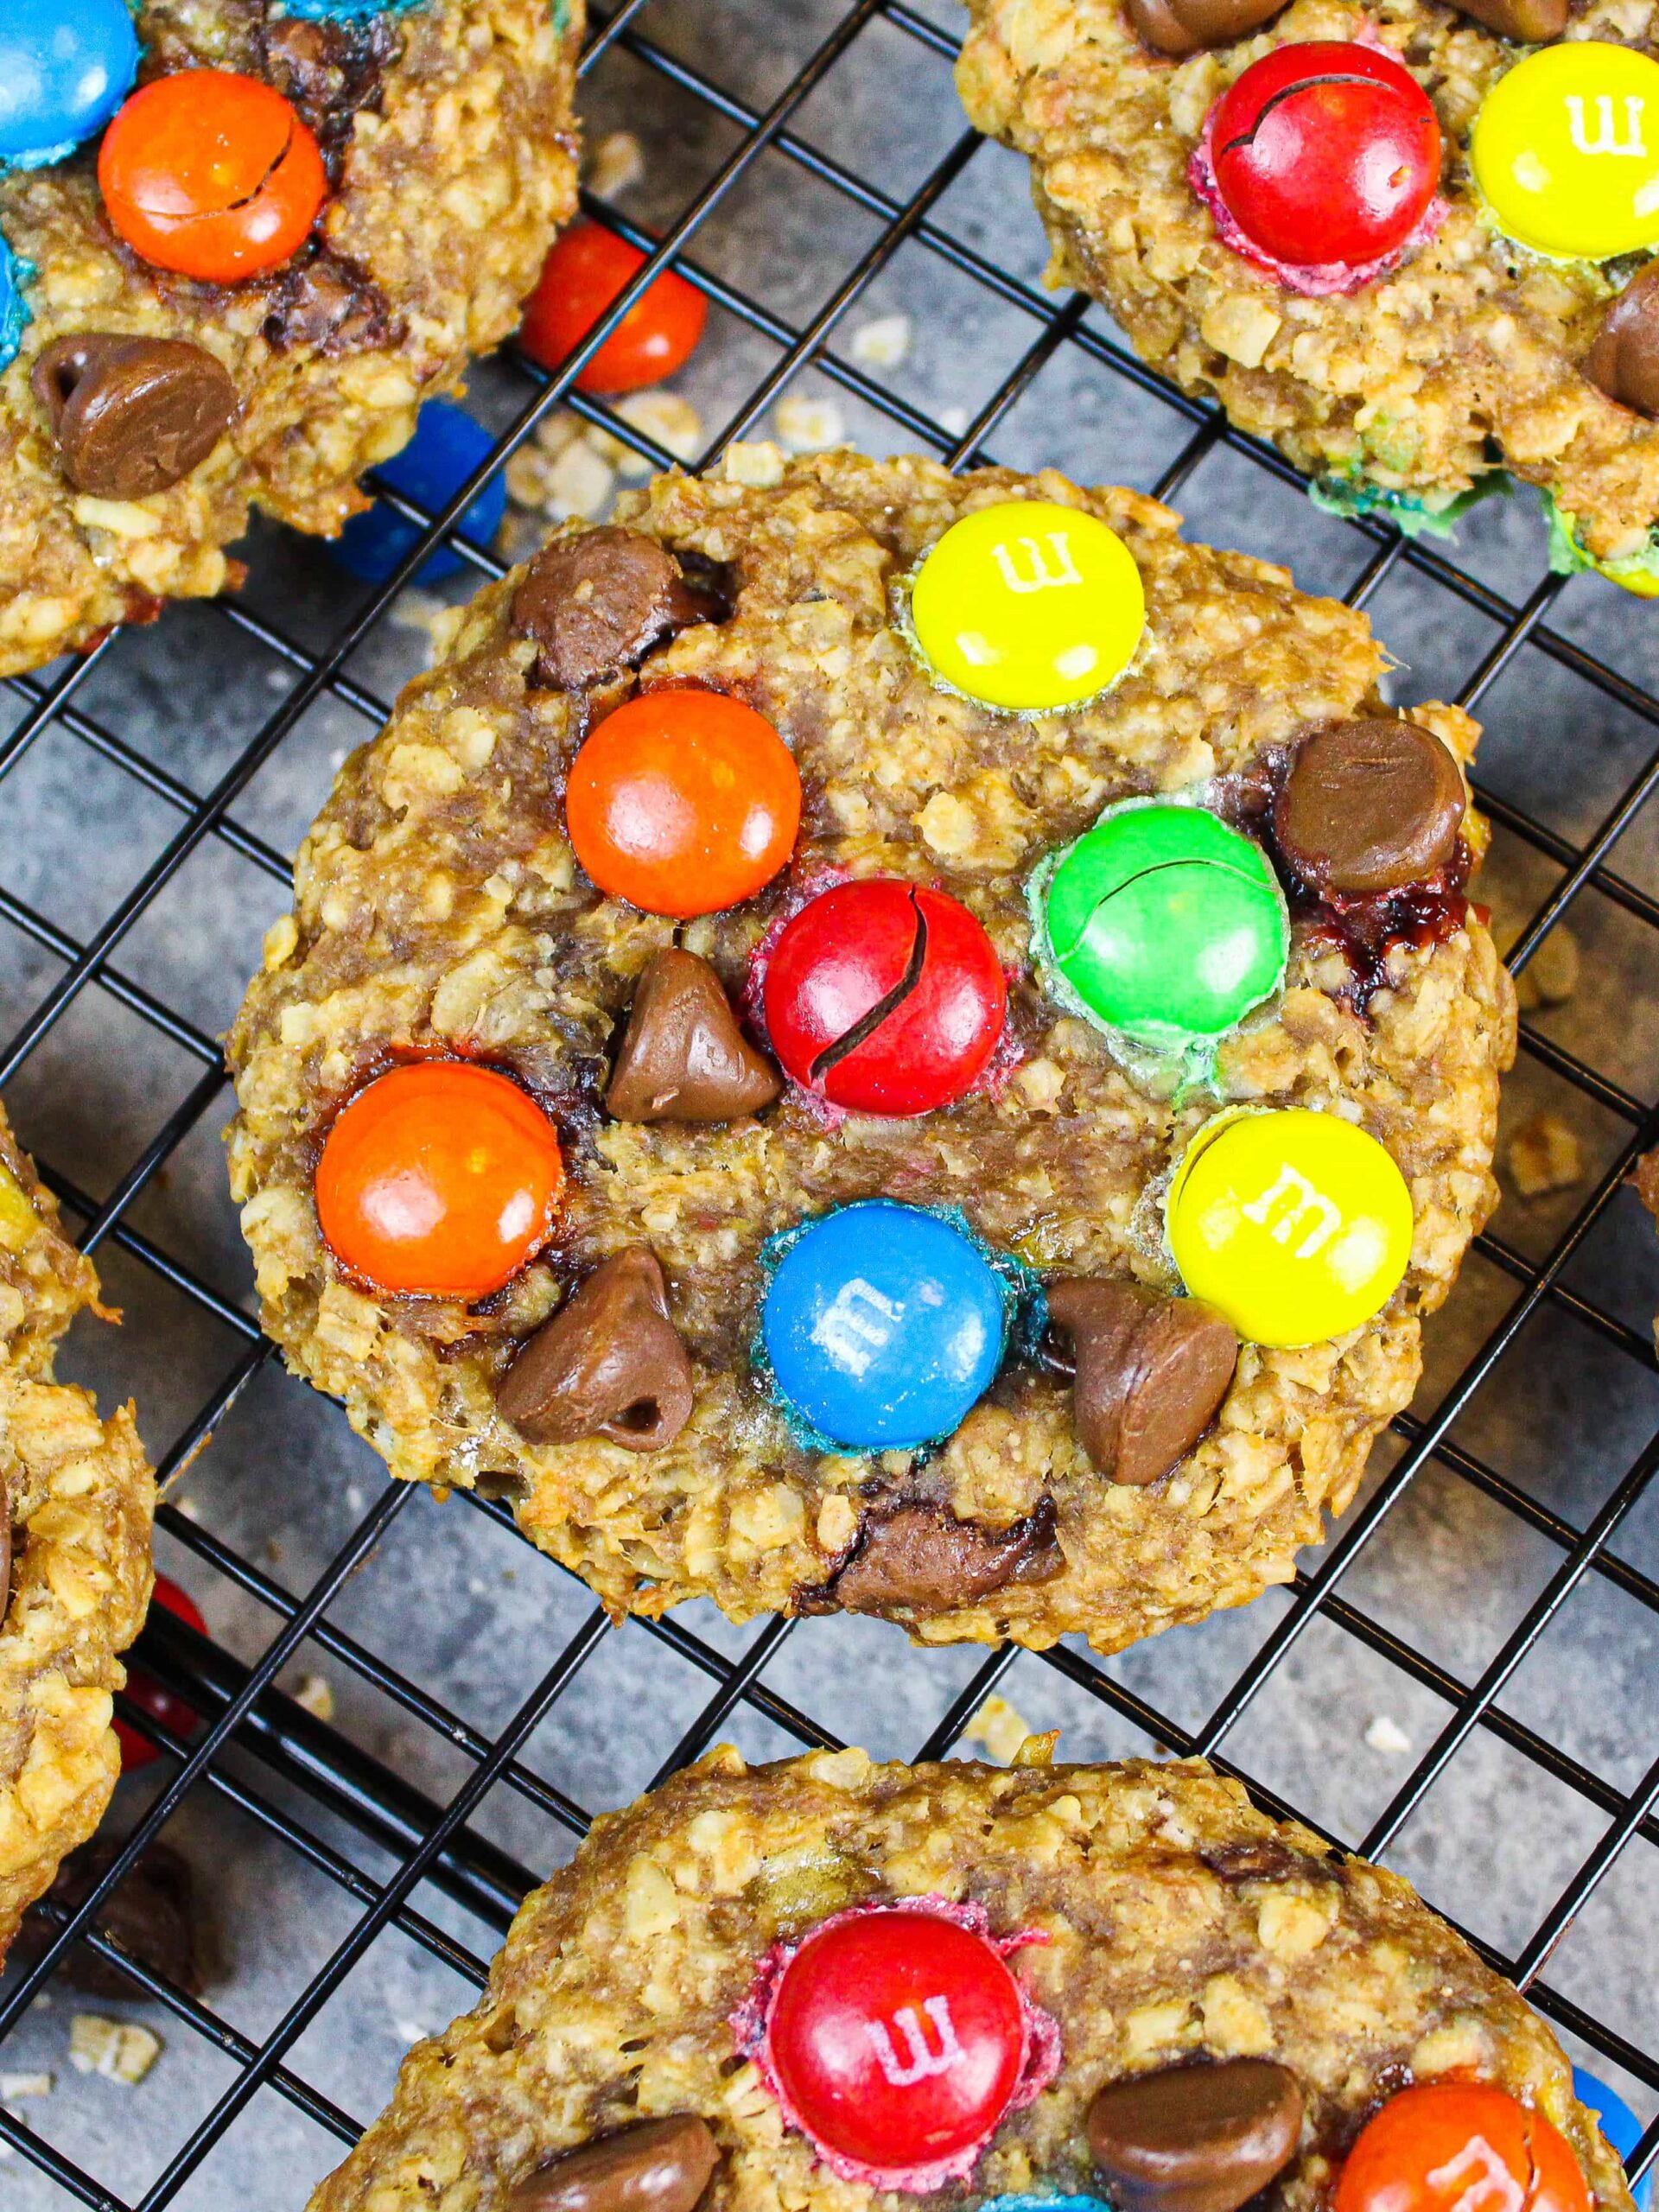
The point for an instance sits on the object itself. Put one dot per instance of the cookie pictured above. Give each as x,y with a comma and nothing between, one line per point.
1404,243
793,1985
239,244
800,1220
79,1497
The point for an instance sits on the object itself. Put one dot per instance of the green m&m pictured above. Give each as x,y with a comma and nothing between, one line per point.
1166,925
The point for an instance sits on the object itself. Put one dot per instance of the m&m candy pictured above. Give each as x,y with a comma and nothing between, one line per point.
683,802
882,1325
885,998
896,2039
14,314
1324,153
148,1694
441,1179
1166,925
1566,151
1029,605
1619,2124
585,269
1296,1225
1460,2146
446,449
63,73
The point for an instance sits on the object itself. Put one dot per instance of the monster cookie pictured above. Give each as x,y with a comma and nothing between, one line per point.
239,243
771,1030
1411,244
74,1553
1060,1986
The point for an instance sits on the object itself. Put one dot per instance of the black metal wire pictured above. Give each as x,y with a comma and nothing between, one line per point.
305,1783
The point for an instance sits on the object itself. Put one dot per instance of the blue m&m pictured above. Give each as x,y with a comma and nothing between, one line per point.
13,313
446,449
1619,2124
64,71
882,1325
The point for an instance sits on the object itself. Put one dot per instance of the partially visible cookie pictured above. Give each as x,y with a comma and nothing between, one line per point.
1067,1985
78,1496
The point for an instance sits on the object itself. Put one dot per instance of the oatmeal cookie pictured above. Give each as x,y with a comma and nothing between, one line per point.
165,372
79,1495
1458,355
631,1373
1182,1963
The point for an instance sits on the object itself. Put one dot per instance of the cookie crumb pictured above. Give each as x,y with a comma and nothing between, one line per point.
118,2049
25,2085
672,422
618,161
408,2031
1385,1734
882,343
1545,1156
579,483
809,425
316,1695
757,463
1000,1727
1551,976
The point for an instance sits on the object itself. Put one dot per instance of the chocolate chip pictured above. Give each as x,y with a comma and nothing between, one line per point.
1264,1859
682,1057
1369,806
131,415
1179,28
153,1914
1624,359
921,1558
331,304
610,1364
657,2165
596,603
1529,22
1195,2138
329,71
1150,1373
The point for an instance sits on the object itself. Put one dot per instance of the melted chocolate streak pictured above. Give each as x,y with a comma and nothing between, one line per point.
867,1024
1366,930
1289,92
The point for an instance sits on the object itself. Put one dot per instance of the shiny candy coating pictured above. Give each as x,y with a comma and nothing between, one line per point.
13,311
1619,2124
885,998
897,2039
212,175
683,802
1326,152
588,268
882,1325
1294,1224
1028,605
439,1180
1167,925
148,1694
446,449
64,70
1426,2149
1566,151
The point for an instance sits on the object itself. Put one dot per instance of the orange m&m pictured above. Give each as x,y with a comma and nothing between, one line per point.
1460,2146
439,1180
212,175
683,802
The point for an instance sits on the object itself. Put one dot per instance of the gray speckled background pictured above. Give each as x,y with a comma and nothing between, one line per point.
469,1610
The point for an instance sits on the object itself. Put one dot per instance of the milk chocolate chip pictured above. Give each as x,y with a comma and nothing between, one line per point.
598,602
1195,2138
923,1559
609,1362
1624,360
153,1914
131,415
657,2166
1369,806
1529,22
1151,1373
682,1057
1179,28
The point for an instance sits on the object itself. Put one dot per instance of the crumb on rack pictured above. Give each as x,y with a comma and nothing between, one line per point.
808,424
617,162
118,2049
1385,1734
1545,1156
882,343
1000,1727
316,1694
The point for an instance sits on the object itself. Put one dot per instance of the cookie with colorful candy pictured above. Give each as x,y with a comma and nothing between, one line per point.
1412,244
829,1983
880,1041
239,244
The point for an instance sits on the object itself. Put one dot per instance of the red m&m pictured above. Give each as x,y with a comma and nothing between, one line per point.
896,2038
1323,156
885,998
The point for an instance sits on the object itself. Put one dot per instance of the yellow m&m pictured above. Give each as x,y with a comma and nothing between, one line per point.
1029,605
1297,1225
1566,151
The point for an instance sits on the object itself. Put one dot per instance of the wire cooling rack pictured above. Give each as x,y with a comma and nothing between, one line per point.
1455,1684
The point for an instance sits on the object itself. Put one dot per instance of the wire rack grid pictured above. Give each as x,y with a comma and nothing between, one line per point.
401,1856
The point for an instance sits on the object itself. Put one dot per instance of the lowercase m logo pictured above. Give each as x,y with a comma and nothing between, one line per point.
857,1325
1045,571
1302,1217
1491,2186
1606,140
919,2063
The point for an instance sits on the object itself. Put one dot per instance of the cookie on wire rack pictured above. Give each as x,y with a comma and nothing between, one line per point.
801,1220
1410,243
239,244
828,1980
79,1498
